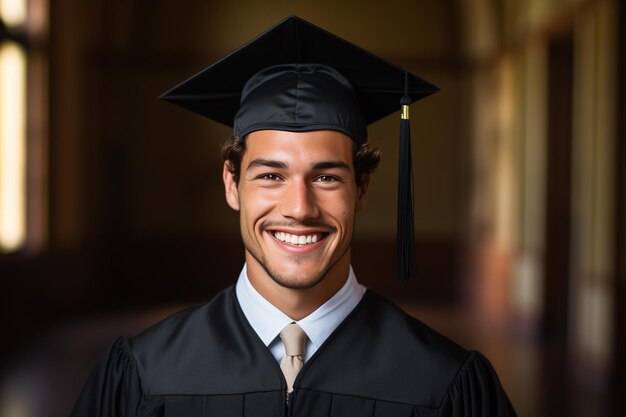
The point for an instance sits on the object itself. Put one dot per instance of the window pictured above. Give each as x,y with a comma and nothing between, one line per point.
23,91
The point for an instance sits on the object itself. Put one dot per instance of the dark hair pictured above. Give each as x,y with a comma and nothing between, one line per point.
366,157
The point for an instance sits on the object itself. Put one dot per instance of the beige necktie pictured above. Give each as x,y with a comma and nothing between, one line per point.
294,339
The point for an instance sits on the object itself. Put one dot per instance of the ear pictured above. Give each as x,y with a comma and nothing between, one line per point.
230,186
362,189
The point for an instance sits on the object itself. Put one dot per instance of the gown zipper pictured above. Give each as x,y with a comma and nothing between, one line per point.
287,404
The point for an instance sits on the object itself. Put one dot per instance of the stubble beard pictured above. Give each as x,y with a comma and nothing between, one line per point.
298,284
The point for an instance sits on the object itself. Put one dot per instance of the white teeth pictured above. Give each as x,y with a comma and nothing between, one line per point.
295,239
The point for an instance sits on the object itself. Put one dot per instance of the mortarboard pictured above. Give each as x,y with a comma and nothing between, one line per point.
296,76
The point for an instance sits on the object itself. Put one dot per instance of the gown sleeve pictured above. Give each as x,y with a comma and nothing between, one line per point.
476,392
113,389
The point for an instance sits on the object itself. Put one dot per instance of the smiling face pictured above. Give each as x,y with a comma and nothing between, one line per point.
297,197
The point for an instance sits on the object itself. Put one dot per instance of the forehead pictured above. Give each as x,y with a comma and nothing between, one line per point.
314,146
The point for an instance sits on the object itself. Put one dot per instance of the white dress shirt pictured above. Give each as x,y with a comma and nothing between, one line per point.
267,320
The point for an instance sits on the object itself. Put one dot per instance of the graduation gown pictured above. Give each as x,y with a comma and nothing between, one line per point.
207,361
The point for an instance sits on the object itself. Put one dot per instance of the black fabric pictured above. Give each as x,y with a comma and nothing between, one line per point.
300,98
216,91
207,361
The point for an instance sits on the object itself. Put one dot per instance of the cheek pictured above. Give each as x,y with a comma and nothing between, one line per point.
341,207
262,200
255,204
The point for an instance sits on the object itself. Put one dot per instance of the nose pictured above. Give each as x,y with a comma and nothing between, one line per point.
299,202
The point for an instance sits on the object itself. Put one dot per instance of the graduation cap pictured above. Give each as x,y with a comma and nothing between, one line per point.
298,77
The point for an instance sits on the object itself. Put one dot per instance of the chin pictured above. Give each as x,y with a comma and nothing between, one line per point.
295,272
297,278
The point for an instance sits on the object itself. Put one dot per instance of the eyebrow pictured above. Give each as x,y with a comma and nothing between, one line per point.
267,163
331,165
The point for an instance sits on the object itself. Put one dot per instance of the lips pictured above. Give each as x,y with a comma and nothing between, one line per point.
300,240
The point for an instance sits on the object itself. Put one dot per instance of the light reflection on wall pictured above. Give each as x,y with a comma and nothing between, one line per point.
504,167
13,12
12,146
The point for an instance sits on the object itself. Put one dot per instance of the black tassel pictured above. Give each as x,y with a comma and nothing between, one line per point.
406,261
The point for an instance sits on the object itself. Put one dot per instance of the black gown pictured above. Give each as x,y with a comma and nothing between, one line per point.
208,361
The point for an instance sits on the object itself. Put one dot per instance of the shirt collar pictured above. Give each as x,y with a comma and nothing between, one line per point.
267,320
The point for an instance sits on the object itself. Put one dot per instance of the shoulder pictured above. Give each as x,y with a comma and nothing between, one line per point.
168,350
477,389
397,357
435,372
201,350
114,382
183,323
404,334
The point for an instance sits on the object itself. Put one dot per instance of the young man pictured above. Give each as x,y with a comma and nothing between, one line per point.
297,335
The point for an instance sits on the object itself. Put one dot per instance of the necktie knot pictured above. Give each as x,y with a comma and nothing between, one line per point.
294,339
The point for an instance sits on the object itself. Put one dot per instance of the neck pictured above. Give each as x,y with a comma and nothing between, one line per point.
298,303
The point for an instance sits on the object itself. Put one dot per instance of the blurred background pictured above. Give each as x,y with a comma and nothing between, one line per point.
112,213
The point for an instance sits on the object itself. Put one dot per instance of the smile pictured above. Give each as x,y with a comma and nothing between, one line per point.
299,240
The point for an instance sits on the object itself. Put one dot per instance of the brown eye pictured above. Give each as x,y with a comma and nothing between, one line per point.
326,178
269,177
